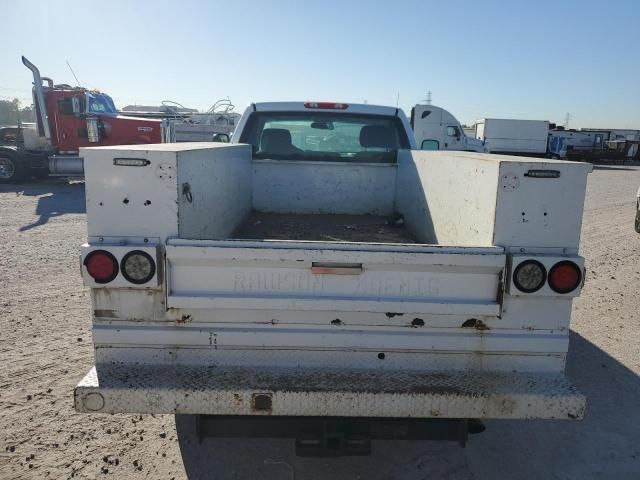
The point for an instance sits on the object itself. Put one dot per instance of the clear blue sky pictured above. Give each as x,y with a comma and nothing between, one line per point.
521,59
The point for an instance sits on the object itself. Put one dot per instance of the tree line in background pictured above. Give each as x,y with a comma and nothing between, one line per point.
11,113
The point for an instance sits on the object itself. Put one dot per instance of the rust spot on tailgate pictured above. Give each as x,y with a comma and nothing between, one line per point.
417,322
475,323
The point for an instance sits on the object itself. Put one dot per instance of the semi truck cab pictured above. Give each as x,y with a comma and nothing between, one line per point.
437,129
69,118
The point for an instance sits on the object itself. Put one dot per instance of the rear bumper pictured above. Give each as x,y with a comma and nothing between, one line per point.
125,388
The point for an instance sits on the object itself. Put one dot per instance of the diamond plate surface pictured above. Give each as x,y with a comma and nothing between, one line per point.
130,388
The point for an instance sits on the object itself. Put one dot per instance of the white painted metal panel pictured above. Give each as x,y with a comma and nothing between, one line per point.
130,201
374,339
323,187
437,283
465,198
448,198
296,392
540,212
214,190
356,360
144,201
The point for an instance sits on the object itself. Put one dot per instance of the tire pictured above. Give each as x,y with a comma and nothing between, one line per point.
638,220
12,168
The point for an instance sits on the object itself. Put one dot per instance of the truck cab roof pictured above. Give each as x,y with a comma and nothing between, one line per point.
325,106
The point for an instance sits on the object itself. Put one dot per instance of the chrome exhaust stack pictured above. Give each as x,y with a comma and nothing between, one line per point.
38,97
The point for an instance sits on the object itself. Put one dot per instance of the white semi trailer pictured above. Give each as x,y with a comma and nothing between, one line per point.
513,137
320,279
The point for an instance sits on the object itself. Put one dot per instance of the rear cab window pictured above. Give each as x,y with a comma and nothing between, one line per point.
325,136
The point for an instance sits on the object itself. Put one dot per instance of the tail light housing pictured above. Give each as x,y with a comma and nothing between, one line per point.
565,277
102,266
122,265
545,275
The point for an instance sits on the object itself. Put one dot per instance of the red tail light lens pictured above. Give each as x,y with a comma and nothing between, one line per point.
101,266
564,277
326,105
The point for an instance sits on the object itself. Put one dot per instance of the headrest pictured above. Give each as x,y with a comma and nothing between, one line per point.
275,139
377,136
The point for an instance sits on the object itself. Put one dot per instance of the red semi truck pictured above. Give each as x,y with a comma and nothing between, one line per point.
67,118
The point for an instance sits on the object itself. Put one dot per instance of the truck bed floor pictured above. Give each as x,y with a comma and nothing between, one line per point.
314,227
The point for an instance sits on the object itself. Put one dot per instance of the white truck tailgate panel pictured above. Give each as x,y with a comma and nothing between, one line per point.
322,277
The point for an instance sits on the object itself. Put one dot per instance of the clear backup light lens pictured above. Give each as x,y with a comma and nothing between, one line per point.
138,267
564,277
529,276
101,266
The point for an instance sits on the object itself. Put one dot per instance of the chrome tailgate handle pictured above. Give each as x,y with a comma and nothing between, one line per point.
336,268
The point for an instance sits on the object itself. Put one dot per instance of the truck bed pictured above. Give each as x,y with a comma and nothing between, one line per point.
333,228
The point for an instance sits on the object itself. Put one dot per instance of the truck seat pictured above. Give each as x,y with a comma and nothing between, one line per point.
277,141
377,136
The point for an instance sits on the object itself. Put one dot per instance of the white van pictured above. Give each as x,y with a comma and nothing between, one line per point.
437,129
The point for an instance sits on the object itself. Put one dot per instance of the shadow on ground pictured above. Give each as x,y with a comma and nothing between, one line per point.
602,446
56,197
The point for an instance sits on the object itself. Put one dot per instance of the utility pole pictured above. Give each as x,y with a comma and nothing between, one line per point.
567,117
428,99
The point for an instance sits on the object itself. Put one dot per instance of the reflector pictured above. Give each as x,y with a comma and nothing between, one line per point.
543,174
131,162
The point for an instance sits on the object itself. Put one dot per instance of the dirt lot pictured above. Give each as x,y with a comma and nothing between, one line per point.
45,348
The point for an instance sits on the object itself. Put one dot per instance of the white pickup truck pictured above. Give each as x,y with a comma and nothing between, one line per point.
319,278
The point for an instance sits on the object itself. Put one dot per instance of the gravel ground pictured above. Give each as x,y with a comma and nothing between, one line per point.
45,348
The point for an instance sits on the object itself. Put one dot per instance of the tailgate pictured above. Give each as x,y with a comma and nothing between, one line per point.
275,275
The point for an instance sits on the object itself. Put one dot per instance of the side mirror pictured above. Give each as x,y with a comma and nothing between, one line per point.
220,137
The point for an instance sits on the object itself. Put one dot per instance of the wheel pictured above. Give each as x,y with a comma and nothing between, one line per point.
12,170
638,221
